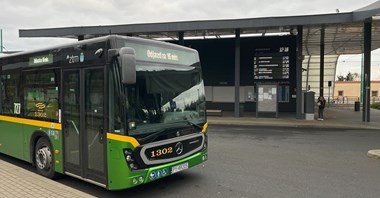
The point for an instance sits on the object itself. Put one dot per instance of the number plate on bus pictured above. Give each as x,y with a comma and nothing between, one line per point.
180,167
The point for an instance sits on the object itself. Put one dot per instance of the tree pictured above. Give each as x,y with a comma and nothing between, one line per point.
356,76
349,77
340,78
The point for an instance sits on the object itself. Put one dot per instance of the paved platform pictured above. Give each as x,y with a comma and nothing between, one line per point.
18,182
343,117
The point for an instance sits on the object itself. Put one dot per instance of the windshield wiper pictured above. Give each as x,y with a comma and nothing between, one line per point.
152,136
165,131
194,125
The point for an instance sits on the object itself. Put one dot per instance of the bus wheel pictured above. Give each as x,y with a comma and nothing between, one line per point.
44,158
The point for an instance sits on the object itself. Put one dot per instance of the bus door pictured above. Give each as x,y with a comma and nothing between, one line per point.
83,122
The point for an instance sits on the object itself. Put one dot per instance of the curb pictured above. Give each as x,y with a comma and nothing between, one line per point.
290,125
374,154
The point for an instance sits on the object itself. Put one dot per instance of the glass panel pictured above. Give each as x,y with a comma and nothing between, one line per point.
41,95
165,97
94,86
283,93
71,112
10,95
116,120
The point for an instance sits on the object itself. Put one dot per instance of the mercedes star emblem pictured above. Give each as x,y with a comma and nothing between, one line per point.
179,148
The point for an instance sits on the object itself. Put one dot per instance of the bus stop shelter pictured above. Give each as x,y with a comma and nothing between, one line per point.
321,39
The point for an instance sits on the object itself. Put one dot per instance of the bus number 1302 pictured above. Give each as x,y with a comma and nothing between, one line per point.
160,152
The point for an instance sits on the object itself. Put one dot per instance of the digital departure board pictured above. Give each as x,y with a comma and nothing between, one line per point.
271,63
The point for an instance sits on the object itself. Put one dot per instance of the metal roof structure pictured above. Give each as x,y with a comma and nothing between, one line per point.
343,34
343,31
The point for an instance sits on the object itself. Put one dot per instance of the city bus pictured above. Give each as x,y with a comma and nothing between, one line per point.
114,111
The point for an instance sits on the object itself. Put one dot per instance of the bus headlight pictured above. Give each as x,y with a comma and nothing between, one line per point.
138,180
128,155
141,179
129,158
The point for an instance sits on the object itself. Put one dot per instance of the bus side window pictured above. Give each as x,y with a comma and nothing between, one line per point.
41,95
52,103
10,96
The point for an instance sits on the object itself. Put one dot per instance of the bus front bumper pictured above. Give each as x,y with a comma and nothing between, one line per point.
161,171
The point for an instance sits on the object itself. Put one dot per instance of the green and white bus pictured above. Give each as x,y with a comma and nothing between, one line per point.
114,111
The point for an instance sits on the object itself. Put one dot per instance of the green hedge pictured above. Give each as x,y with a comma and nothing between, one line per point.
376,105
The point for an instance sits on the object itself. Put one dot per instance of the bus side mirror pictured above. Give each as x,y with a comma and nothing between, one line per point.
127,59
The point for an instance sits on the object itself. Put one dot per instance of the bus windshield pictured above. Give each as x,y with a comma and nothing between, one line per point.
165,96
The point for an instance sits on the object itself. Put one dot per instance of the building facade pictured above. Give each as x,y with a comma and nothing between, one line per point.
349,91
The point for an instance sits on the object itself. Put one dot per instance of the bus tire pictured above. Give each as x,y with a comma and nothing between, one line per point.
44,158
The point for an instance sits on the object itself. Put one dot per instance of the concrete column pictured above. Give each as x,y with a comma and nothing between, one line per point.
367,70
299,73
80,38
1,40
181,40
322,61
237,73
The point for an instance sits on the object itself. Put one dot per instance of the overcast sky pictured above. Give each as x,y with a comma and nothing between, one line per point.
24,14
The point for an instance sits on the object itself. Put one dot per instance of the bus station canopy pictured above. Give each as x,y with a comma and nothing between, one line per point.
337,33
343,34
343,31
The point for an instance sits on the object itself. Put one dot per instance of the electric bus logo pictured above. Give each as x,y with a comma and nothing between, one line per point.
40,106
40,110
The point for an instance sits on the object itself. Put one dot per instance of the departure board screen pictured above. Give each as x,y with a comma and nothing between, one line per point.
271,63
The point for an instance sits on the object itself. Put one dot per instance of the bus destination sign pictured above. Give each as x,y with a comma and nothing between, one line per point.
41,60
162,54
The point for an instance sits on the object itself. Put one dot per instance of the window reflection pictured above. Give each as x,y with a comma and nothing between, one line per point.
166,96
10,94
41,95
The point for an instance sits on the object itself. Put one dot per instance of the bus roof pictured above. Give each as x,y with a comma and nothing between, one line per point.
97,40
